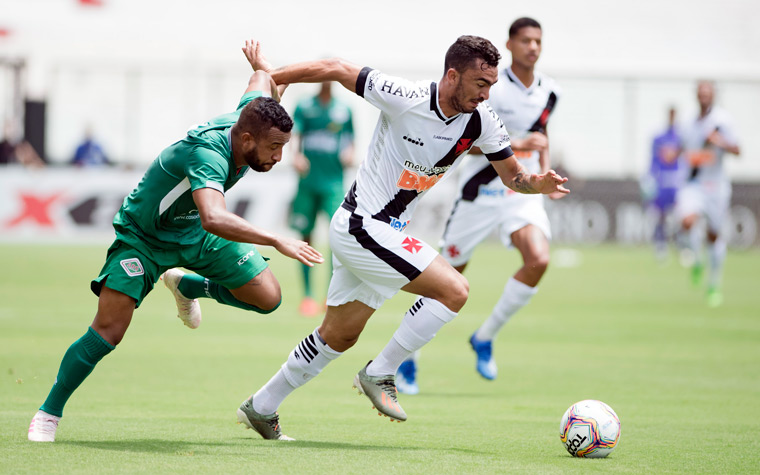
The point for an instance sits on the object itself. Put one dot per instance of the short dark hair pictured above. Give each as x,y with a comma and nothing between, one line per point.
467,49
521,23
260,115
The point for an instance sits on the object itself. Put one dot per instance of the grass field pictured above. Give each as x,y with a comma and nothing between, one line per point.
684,379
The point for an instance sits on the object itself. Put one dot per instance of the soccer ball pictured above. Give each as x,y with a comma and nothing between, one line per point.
589,428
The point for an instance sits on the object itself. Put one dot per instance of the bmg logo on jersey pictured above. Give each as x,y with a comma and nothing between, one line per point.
398,225
412,181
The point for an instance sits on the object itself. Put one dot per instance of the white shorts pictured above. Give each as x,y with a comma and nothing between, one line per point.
709,199
371,260
471,222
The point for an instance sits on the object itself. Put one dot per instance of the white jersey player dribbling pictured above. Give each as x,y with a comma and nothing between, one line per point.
413,147
423,130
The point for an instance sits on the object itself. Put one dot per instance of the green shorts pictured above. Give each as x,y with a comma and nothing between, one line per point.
133,267
308,202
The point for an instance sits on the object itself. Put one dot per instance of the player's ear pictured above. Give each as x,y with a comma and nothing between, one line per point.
452,75
248,140
509,45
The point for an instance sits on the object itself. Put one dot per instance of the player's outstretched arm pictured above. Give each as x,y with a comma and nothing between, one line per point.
516,177
262,81
216,219
333,69
252,52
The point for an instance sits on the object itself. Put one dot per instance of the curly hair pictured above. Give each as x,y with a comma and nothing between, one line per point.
467,49
261,114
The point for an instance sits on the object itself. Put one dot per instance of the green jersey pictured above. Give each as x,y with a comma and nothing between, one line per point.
161,211
325,131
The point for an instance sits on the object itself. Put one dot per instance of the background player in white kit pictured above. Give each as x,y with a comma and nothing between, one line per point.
423,130
708,190
523,98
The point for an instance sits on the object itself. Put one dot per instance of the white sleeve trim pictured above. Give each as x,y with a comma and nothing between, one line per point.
215,186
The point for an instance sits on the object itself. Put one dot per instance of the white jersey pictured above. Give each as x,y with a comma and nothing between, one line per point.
414,145
694,135
523,110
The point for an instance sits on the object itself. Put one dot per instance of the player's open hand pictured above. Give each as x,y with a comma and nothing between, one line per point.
298,250
550,183
252,52
535,141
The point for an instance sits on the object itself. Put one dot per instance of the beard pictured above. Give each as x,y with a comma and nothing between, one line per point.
458,99
254,161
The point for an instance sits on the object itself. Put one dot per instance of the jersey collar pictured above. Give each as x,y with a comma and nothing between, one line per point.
513,78
233,165
435,106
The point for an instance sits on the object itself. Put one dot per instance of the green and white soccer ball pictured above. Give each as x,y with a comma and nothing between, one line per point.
589,428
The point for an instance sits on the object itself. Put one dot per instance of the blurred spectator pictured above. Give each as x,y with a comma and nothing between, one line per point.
663,181
707,193
323,137
89,153
17,151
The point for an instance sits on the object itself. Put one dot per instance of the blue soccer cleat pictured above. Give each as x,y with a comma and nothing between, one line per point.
406,378
485,365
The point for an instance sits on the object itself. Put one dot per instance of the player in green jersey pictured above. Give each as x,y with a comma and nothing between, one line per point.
176,217
323,137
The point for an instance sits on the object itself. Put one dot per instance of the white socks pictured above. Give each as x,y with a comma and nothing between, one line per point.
516,295
717,254
420,324
306,360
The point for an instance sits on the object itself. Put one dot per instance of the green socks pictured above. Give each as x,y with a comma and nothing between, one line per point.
194,286
306,274
78,362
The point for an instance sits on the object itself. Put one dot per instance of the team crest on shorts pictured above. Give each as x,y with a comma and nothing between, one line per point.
133,267
412,245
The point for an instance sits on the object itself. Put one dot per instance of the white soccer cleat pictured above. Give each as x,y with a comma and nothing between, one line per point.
188,310
43,427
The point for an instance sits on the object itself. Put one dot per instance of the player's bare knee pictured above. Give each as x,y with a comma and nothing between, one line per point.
269,306
339,339
456,294
111,330
539,264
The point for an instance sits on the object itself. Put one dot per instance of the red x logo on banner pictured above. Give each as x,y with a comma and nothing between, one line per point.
36,209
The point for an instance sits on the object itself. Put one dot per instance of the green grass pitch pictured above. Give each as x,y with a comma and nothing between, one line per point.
684,379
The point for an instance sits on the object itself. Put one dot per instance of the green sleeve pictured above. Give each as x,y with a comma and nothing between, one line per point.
206,168
248,97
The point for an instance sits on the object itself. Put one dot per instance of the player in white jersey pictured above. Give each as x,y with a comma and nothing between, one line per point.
423,130
523,98
707,193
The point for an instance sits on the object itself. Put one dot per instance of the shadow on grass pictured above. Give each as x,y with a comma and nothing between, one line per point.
313,444
147,445
198,447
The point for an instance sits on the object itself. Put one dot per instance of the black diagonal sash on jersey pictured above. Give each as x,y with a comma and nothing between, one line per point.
540,124
488,173
398,204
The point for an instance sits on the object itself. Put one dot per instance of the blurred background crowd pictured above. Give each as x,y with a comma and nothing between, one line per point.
92,90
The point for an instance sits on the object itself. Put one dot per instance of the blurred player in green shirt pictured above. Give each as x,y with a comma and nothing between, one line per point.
324,142
176,217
